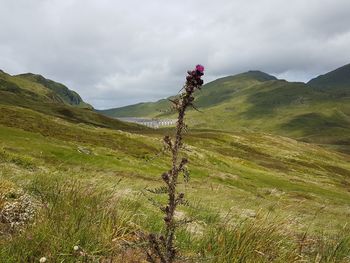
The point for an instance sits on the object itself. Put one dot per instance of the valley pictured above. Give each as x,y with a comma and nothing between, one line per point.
268,161
257,101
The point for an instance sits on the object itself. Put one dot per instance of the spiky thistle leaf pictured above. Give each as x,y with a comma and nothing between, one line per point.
158,190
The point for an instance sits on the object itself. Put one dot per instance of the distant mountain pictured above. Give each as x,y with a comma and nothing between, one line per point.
143,109
66,95
36,93
212,93
336,82
318,111
36,87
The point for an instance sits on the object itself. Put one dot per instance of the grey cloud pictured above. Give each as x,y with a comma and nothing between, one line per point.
119,52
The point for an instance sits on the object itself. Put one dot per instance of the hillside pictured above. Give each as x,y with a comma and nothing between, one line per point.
336,82
71,177
66,95
143,109
34,92
36,86
290,109
260,102
213,93
88,174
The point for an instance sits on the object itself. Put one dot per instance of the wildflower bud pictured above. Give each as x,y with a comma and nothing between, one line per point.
184,161
198,73
198,79
167,140
200,69
152,238
189,88
165,177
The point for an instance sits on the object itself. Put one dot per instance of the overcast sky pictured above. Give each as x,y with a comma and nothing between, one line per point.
116,53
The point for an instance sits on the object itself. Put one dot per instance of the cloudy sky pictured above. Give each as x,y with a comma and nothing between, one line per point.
115,52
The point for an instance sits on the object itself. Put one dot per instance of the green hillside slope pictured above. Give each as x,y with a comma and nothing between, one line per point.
290,109
212,93
336,82
67,96
36,86
257,101
72,177
144,109
93,177
36,93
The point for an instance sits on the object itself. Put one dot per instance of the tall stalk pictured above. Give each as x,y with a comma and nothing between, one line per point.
162,247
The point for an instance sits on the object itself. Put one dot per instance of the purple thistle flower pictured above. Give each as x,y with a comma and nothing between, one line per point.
200,68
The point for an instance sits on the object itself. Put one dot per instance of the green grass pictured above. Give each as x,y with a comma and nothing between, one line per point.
90,219
97,192
253,196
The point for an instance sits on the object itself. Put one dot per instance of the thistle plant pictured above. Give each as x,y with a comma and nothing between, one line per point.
162,246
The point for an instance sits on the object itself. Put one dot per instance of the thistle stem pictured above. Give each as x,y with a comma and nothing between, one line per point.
167,253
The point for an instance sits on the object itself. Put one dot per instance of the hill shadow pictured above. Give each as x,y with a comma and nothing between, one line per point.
276,94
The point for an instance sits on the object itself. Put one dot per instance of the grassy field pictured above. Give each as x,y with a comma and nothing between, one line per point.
253,197
74,183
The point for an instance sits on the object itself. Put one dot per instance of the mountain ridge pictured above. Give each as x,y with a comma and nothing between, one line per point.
64,93
336,82
341,74
258,101
138,109
36,93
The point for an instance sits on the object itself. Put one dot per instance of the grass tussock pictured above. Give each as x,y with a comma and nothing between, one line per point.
71,214
249,241
103,224
20,160
267,240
